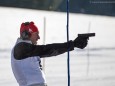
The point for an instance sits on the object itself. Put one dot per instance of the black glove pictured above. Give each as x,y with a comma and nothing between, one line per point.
80,42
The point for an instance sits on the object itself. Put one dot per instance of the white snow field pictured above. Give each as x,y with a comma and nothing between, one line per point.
93,66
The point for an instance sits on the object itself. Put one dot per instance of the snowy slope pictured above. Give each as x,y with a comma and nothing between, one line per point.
92,66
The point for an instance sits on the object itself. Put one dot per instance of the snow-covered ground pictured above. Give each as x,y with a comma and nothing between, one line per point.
93,66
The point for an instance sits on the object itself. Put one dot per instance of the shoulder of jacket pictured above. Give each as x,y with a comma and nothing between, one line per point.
20,49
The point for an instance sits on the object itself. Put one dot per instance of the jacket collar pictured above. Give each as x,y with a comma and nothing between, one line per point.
21,40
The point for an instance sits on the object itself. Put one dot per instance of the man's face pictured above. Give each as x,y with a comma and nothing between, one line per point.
34,37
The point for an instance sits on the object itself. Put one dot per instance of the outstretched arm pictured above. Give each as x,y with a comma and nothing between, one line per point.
24,50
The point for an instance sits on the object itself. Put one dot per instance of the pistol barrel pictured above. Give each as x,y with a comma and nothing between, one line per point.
87,34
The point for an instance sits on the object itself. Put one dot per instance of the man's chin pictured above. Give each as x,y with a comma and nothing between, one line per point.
35,43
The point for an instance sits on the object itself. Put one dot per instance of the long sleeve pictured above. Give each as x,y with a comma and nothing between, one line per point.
24,50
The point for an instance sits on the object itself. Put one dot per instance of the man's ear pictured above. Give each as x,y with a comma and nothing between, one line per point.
25,35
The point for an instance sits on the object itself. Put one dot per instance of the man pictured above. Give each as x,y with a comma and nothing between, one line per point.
26,54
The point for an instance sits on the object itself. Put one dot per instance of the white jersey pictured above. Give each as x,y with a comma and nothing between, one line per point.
27,71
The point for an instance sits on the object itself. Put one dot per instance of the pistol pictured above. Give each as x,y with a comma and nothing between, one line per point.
86,35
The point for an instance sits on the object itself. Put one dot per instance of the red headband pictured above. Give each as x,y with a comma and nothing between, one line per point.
31,27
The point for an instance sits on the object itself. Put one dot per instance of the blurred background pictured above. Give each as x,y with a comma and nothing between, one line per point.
99,7
92,66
